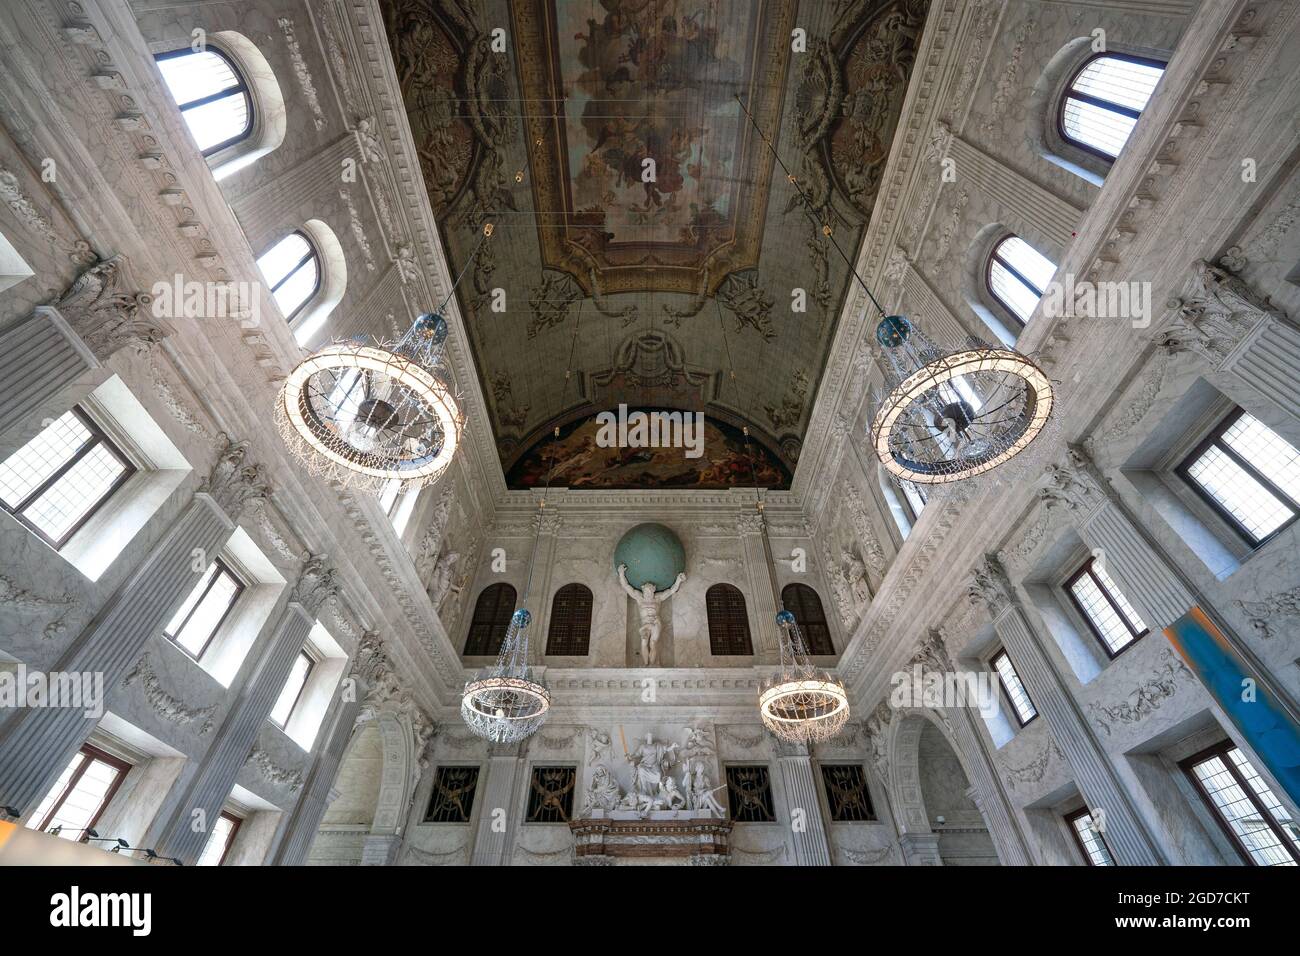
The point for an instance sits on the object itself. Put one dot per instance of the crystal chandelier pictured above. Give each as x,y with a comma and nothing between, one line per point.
505,703
949,414
364,413
800,703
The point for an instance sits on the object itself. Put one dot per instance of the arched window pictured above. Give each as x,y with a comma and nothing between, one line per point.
212,95
1103,101
291,268
570,629
728,622
487,629
803,602
1017,276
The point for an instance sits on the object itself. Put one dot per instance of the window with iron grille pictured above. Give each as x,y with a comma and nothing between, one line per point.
728,621
212,96
487,629
1103,101
847,793
55,482
452,799
569,632
1249,474
1089,840
1113,620
1012,686
1244,805
803,602
81,794
749,795
206,608
550,794
1018,275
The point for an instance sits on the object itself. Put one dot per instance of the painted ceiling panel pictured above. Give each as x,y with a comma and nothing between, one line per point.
641,225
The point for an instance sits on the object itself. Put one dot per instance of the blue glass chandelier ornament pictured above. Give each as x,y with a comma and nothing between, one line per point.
363,413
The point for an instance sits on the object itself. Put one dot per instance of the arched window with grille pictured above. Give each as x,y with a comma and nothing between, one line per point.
291,268
803,602
212,95
487,629
1018,275
569,633
728,621
1104,99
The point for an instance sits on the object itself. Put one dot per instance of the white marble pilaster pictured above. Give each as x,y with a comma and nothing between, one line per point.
496,816
808,828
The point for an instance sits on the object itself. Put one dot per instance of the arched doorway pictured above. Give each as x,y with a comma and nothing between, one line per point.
362,825
939,823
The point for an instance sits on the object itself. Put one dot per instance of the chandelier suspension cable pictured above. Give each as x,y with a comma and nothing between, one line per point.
827,231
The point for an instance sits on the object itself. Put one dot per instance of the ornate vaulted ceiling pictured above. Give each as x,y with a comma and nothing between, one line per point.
657,286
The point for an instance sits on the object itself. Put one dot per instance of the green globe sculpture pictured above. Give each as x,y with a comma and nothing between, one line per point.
652,553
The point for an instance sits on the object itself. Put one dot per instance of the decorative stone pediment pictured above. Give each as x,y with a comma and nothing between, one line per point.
108,311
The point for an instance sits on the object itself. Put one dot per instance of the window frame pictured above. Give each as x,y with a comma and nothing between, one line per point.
994,256
719,648
314,253
768,803
568,797
250,123
235,823
487,650
433,794
1086,811
97,437
90,753
805,622
1222,751
842,813
312,661
1068,586
1069,93
1015,711
1214,439
240,587
565,639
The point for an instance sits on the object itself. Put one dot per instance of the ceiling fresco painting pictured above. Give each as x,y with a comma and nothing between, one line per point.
693,266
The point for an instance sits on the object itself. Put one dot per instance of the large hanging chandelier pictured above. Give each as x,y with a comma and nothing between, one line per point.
949,414
364,412
800,703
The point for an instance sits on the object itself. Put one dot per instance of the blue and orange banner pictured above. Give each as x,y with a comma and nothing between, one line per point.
1265,725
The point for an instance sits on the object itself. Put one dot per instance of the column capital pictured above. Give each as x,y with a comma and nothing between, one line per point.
315,583
234,483
108,310
990,586
1075,483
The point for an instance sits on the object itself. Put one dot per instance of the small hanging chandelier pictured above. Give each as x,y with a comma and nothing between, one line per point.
949,414
800,703
364,413
505,703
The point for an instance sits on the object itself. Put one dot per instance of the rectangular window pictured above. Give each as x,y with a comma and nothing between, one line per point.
550,795
55,482
221,840
77,800
749,795
1090,841
1237,796
203,612
452,799
1114,621
1020,703
846,793
1249,474
293,688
